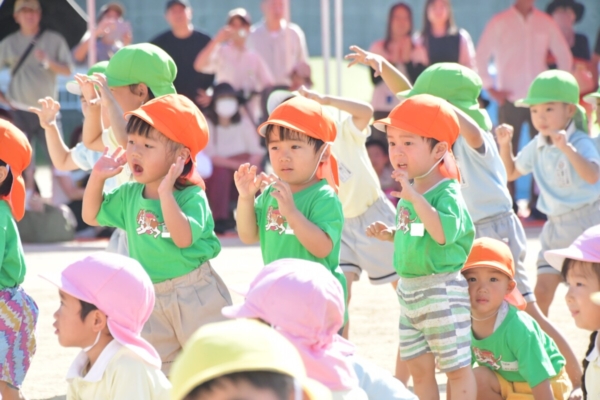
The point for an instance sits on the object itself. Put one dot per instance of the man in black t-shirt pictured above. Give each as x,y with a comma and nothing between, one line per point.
183,43
596,58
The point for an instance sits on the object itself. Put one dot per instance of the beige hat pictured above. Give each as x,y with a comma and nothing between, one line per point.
32,4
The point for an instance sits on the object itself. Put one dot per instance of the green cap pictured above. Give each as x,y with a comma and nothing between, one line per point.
73,86
551,86
142,63
458,85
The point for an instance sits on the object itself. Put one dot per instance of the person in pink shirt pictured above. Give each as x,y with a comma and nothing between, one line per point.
518,40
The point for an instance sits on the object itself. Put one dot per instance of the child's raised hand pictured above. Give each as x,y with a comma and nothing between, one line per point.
381,231
47,114
168,182
311,94
246,180
88,91
504,134
361,56
284,196
110,165
100,82
407,192
559,139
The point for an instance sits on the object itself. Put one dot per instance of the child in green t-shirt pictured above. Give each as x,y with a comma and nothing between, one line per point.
432,238
299,214
18,311
165,214
516,358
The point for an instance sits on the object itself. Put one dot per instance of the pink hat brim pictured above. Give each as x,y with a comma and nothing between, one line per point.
66,286
556,258
240,311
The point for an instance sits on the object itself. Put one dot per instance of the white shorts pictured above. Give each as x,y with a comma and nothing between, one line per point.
360,252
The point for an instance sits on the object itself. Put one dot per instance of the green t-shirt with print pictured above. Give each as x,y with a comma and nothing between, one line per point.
149,240
519,350
12,268
416,253
321,206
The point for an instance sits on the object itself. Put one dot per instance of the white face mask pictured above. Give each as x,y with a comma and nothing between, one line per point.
226,107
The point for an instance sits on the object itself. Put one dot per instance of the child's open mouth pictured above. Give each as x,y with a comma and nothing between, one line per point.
137,169
401,166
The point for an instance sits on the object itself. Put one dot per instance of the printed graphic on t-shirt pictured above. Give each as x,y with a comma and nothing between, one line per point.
487,357
404,220
563,175
275,221
344,172
148,224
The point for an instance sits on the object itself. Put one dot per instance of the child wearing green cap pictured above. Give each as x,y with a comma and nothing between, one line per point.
565,165
483,177
594,100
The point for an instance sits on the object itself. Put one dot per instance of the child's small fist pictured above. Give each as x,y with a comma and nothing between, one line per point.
381,231
504,134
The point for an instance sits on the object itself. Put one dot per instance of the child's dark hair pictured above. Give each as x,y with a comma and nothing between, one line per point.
86,308
6,186
282,385
377,143
5,115
133,89
585,362
288,134
136,125
567,264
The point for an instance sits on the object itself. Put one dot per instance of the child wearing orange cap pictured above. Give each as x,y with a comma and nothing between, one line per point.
169,226
18,311
299,214
528,368
432,239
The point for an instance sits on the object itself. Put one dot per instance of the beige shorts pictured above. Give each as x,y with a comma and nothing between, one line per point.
182,306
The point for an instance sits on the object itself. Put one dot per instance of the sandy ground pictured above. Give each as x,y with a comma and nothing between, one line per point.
374,310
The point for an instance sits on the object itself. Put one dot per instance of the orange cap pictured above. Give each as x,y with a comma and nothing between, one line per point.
179,119
430,117
15,151
493,253
307,117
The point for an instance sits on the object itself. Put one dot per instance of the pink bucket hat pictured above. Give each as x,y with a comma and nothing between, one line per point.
305,303
585,248
121,289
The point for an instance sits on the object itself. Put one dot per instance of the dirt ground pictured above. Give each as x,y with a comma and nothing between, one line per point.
374,310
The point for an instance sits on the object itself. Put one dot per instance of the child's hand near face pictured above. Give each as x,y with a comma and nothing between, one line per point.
504,134
407,192
247,182
47,114
285,198
168,182
110,165
559,139
364,57
381,231
99,80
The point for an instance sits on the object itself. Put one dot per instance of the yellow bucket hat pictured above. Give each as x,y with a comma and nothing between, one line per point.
224,348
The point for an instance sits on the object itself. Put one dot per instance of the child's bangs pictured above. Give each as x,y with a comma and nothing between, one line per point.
139,126
290,134
590,270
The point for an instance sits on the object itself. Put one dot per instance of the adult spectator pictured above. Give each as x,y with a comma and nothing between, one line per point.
397,48
35,58
112,33
596,58
441,40
183,43
227,56
280,43
518,40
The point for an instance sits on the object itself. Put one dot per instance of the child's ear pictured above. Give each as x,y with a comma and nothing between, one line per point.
142,91
185,154
511,286
326,153
571,110
3,173
100,321
440,149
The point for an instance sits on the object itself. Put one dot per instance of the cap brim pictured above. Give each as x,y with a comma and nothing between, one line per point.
556,258
405,94
532,101
66,286
592,98
399,124
73,88
134,342
278,97
488,264
262,129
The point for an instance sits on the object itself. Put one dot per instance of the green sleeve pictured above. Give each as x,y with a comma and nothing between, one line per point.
535,365
194,205
449,209
327,214
112,209
3,229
